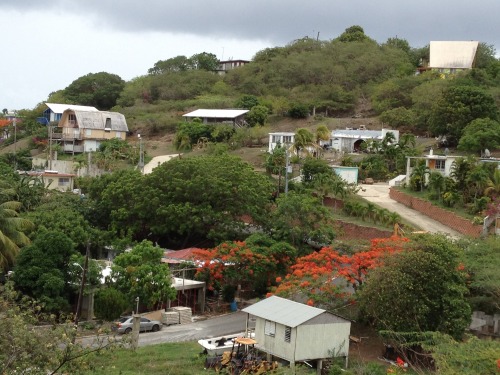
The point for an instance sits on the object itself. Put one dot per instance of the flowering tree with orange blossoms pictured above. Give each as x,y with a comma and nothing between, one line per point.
241,263
324,277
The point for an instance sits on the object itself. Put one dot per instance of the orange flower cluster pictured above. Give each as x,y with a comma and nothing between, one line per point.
313,275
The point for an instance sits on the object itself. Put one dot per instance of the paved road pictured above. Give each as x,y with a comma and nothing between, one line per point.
379,194
217,326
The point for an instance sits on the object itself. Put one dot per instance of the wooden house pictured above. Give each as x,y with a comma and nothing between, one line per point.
297,332
83,131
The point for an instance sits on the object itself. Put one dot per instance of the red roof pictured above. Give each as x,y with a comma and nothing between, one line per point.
179,256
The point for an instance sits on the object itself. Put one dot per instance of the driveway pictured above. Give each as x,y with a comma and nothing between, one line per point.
157,160
379,194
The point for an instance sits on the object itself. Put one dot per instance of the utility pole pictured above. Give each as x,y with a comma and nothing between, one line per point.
141,155
82,285
50,146
15,141
286,170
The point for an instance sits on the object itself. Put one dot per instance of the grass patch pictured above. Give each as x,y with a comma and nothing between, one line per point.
172,359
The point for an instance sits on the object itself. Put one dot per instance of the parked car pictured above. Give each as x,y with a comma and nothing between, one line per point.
124,325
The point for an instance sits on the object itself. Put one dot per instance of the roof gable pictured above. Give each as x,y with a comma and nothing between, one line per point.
284,311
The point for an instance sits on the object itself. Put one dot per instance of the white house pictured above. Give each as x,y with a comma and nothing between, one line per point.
449,57
280,138
52,180
350,140
297,332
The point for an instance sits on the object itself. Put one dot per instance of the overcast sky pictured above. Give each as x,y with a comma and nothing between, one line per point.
47,44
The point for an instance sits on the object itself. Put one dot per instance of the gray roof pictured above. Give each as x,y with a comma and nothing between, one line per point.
60,108
454,54
97,120
216,113
283,311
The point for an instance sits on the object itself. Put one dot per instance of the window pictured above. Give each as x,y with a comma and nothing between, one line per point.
107,127
88,132
287,139
63,181
118,134
270,328
440,164
288,333
274,139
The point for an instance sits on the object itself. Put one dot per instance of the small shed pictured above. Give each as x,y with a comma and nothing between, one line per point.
297,332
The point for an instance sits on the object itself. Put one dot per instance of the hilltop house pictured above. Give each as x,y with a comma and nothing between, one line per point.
236,117
83,131
281,139
450,57
297,332
227,65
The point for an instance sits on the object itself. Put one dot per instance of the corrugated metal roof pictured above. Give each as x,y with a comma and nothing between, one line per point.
362,134
216,113
283,311
97,120
452,55
60,108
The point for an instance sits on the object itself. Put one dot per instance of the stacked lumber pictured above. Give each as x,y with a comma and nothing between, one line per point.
170,317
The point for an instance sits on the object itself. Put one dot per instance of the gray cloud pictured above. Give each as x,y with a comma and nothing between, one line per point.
281,21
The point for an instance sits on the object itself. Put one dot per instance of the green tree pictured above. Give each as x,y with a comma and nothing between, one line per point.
189,133
420,289
100,90
174,64
110,303
275,163
482,262
140,273
480,134
419,174
28,348
353,34
257,115
458,107
302,221
202,198
247,102
42,271
204,61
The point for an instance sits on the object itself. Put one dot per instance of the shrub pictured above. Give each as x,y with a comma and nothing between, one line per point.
298,111
109,304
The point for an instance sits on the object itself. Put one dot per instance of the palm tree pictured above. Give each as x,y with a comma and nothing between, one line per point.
322,134
419,174
437,183
304,141
12,236
493,185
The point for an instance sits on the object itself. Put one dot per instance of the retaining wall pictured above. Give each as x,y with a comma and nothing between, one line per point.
445,217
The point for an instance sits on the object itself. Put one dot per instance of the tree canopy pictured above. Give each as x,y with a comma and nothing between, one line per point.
100,90
419,289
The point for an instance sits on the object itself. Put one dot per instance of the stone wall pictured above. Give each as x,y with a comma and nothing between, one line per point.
445,217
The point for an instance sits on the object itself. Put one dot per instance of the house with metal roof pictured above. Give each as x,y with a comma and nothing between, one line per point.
54,111
83,131
351,140
236,117
297,332
450,57
227,65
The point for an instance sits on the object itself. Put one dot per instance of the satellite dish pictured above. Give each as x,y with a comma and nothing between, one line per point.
487,153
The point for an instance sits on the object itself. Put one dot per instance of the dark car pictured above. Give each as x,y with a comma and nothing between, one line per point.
124,325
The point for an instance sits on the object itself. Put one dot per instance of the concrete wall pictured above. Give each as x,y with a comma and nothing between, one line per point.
445,217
